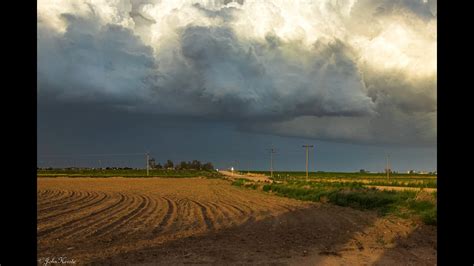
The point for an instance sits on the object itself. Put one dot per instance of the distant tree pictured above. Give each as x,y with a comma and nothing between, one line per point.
208,166
168,164
152,163
183,165
196,165
158,166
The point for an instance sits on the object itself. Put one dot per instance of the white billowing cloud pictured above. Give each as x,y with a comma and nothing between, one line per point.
361,71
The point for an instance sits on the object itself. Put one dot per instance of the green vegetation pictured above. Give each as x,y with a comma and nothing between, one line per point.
430,183
355,193
126,173
243,182
357,175
426,209
400,203
351,179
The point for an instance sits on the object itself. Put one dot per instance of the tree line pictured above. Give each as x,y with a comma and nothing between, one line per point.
183,165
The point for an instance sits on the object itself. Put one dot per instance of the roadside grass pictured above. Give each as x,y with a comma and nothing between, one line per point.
405,182
357,183
129,173
244,182
351,179
401,203
426,209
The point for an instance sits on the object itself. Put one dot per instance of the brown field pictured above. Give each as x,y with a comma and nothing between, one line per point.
208,221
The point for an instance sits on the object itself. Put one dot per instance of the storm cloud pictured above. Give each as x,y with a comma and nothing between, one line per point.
362,71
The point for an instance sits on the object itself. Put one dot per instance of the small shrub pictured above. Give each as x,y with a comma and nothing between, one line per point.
266,188
430,217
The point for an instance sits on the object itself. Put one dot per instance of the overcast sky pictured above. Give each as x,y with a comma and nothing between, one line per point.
223,81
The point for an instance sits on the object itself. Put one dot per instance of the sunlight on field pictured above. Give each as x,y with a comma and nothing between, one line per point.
195,220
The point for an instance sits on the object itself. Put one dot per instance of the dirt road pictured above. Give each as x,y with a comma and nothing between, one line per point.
253,177
168,221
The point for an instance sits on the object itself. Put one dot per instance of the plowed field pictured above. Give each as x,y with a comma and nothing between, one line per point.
206,221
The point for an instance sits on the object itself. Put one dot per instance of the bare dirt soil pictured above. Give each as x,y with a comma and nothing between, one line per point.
164,221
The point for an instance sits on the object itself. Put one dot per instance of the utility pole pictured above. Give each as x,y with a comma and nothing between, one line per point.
147,164
388,168
272,151
307,146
